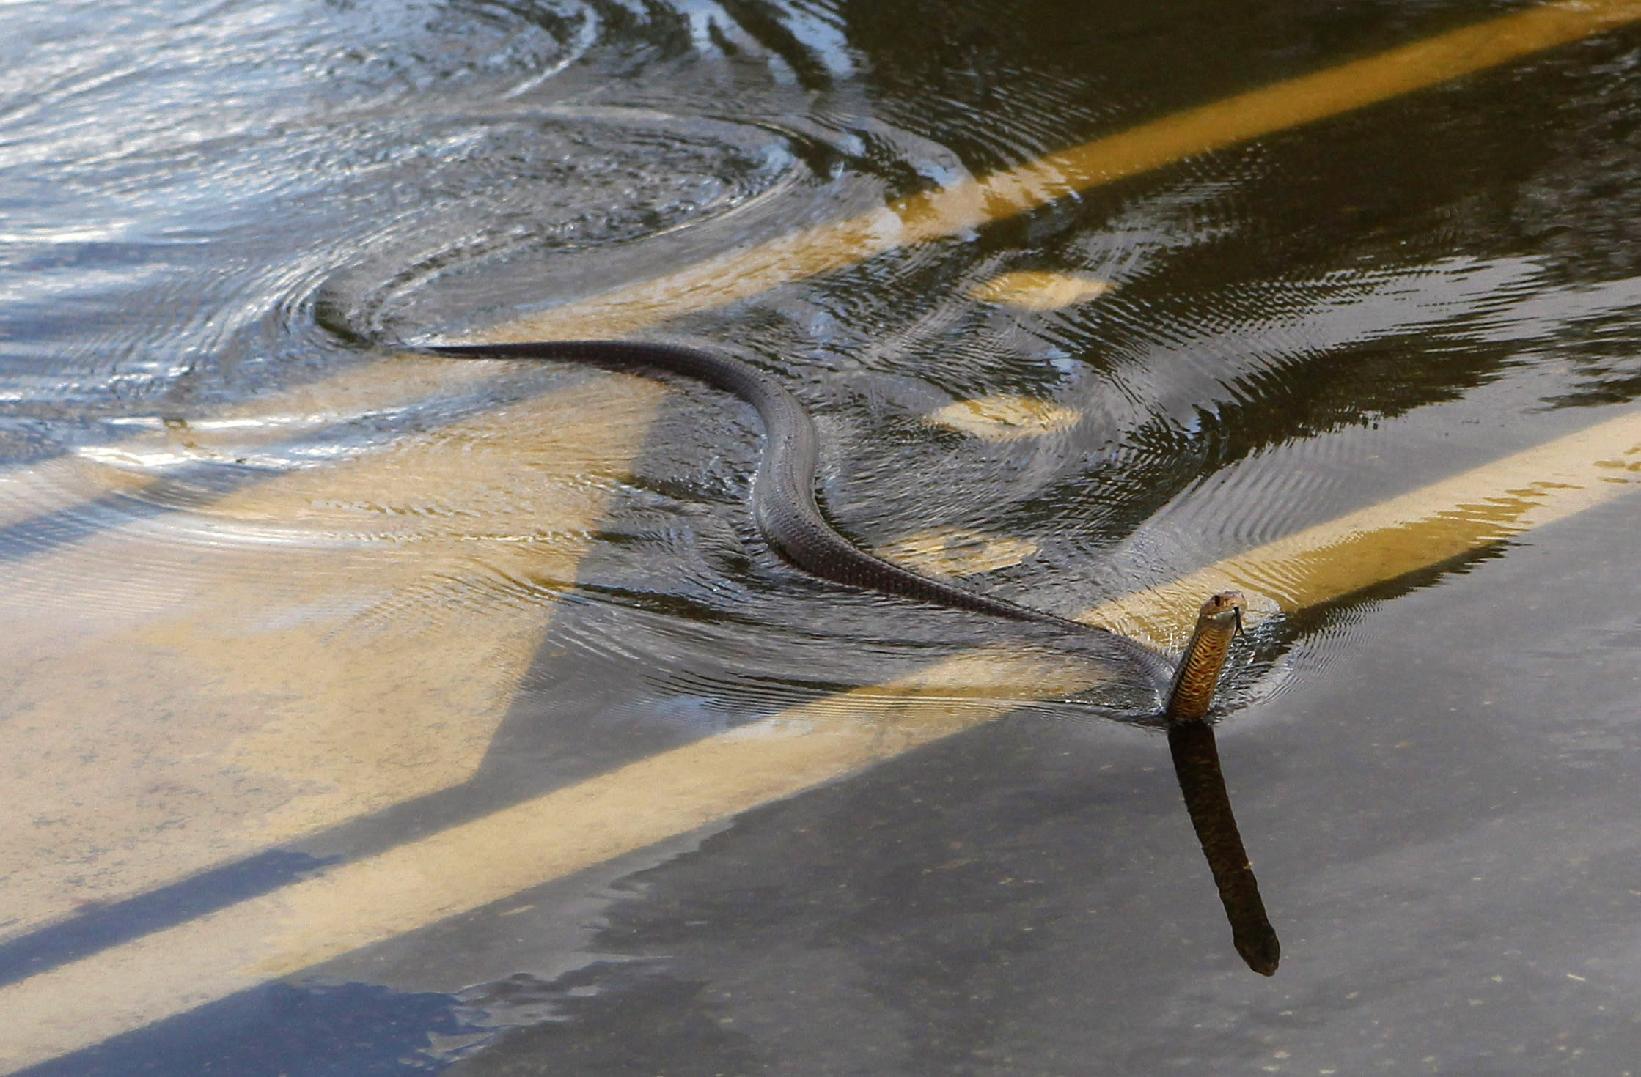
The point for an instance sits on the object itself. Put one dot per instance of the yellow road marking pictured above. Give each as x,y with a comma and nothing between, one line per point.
554,835
958,551
108,859
951,211
60,485
310,650
1040,289
1426,527
171,985
1005,418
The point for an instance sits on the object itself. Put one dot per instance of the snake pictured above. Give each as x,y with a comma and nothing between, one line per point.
1219,621
790,519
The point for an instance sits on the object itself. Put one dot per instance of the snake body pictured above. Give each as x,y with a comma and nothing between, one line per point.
1218,623
783,498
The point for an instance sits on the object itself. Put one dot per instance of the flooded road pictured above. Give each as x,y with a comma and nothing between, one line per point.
366,712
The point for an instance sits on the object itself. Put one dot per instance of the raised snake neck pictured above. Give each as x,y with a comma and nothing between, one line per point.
1218,623
783,492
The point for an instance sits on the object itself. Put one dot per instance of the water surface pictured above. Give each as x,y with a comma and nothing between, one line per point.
276,601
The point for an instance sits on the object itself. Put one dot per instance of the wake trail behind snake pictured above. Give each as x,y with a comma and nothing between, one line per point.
783,490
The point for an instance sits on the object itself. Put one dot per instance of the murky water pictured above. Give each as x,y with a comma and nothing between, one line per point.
279,602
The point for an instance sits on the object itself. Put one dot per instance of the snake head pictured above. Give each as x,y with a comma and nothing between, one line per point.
1225,610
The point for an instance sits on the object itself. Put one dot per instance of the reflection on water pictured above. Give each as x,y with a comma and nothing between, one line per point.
266,586
1196,765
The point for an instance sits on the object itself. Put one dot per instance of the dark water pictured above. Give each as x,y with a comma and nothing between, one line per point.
212,216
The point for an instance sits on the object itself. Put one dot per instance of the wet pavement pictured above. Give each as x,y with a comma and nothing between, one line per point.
1451,896
366,715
